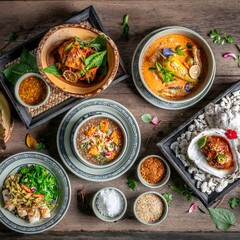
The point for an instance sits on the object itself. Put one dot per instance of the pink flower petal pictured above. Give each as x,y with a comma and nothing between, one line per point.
192,207
230,55
155,120
32,189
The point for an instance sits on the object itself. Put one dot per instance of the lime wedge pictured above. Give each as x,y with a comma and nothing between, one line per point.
202,141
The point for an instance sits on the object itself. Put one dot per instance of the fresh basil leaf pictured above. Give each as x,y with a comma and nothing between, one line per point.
167,76
99,43
146,118
223,218
179,51
234,202
52,69
12,36
29,59
14,72
202,142
131,183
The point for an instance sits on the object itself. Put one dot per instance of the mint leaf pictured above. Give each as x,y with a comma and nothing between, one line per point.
234,202
184,190
168,197
146,118
223,218
52,69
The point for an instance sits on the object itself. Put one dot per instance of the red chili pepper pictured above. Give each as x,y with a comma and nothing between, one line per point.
231,134
70,69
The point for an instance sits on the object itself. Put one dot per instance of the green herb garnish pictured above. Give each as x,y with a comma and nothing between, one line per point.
219,39
184,190
41,180
179,51
125,26
68,47
167,75
28,64
131,184
188,45
202,141
223,218
220,157
52,69
146,118
12,36
168,197
234,202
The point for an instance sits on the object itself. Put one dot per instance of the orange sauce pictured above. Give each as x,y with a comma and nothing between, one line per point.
174,90
32,90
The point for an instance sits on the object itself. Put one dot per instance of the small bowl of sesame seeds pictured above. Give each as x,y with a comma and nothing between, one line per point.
150,208
153,171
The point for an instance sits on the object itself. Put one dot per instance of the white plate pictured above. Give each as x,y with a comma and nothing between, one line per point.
149,96
11,166
97,107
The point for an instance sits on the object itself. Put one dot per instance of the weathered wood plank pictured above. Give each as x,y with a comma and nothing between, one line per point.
32,17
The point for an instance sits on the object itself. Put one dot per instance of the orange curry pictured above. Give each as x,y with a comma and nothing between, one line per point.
174,66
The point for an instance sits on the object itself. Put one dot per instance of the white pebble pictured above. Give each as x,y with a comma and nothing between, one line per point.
184,143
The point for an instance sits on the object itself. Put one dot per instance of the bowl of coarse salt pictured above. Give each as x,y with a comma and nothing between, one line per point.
109,204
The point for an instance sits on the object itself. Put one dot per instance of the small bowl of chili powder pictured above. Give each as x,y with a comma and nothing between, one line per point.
153,171
32,90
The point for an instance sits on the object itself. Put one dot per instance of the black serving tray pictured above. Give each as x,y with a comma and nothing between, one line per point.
88,14
166,142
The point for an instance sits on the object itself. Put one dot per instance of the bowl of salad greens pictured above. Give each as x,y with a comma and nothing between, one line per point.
35,192
78,59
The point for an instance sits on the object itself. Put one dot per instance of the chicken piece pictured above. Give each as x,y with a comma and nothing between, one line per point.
21,212
90,132
45,212
61,50
6,198
34,215
74,58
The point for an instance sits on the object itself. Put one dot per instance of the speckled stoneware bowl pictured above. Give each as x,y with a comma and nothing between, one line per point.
55,37
165,210
74,135
20,80
154,185
106,218
204,87
11,166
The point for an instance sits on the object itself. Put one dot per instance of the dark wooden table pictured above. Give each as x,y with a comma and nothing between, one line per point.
30,18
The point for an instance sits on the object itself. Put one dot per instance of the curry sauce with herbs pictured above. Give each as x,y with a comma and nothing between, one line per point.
32,90
174,66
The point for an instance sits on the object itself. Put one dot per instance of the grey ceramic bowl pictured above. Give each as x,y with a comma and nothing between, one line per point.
11,166
106,218
165,209
154,185
201,42
74,135
20,81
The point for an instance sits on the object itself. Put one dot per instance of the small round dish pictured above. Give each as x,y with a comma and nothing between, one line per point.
202,44
10,166
111,213
89,159
154,163
150,208
33,88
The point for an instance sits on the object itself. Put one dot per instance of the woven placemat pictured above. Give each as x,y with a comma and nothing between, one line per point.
57,96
